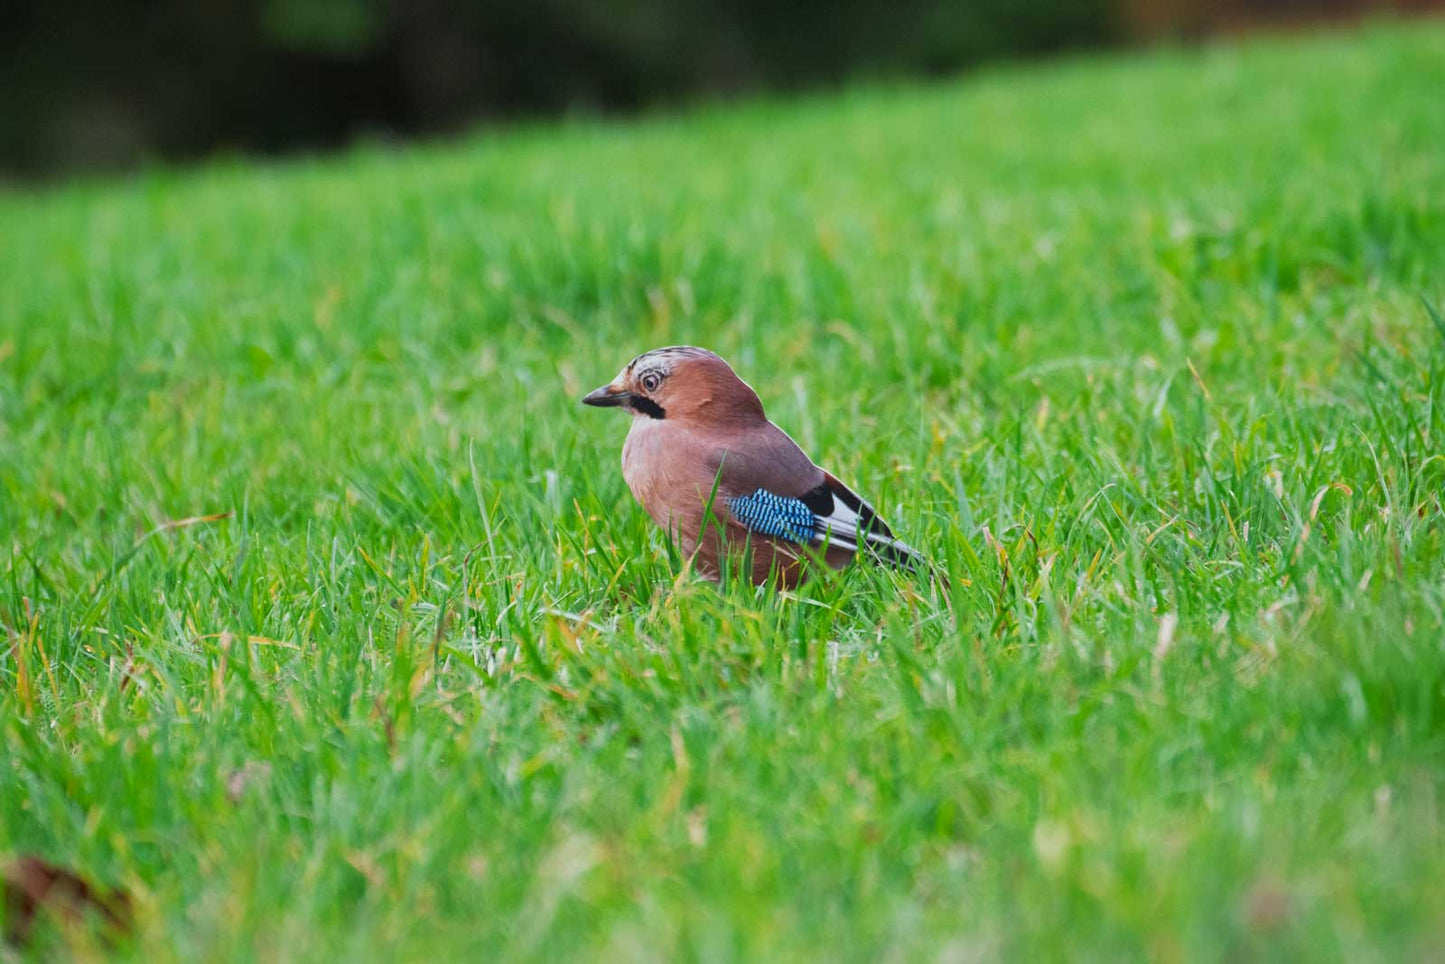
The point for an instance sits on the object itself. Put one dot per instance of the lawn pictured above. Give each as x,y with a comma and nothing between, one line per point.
329,630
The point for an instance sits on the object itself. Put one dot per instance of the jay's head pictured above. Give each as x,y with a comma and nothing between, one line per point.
680,384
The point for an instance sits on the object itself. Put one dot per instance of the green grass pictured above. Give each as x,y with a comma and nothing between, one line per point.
1135,348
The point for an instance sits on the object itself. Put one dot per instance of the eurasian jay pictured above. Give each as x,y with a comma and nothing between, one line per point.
696,425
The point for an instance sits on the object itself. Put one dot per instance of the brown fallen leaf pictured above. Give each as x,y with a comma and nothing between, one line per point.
1266,907
31,886
239,780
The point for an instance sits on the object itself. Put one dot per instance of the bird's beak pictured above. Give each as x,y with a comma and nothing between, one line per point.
608,396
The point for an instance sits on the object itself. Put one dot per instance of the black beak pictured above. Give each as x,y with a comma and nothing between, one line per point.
605,397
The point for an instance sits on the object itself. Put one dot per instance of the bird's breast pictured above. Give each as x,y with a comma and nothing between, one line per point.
667,470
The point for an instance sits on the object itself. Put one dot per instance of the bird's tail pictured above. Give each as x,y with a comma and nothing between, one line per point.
851,523
894,552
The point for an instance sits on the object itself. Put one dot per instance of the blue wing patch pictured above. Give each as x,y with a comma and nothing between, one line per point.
774,515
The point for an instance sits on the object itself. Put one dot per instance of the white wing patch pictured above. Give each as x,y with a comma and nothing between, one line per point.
838,529
849,528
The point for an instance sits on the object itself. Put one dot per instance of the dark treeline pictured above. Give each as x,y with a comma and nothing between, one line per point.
96,84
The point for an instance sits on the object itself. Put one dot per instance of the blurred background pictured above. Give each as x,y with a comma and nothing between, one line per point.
104,85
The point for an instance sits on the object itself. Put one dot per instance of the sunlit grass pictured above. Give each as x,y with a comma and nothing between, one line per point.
1137,350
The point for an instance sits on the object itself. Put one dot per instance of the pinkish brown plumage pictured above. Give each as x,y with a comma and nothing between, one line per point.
696,424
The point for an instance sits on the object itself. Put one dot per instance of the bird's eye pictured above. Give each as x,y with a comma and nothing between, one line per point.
651,380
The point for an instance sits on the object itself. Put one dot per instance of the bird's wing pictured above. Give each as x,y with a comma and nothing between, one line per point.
771,487
830,514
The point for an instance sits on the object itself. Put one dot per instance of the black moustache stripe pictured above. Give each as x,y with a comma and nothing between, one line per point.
648,407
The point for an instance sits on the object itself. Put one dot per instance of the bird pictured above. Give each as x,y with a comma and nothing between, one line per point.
707,465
